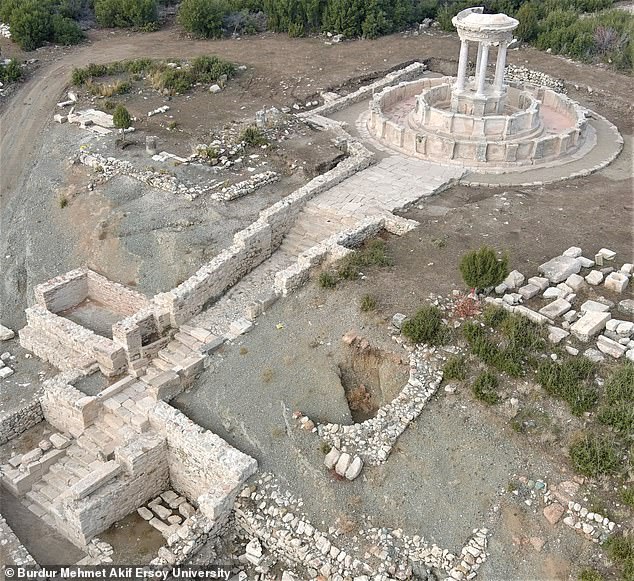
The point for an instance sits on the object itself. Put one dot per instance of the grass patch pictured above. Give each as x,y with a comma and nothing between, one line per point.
327,280
426,326
621,551
325,447
528,419
252,136
485,388
455,368
590,575
267,375
594,455
627,496
108,89
494,316
63,202
617,405
374,253
368,303
570,380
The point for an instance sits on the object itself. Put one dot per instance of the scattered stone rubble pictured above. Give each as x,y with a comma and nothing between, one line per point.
168,513
559,504
524,75
5,370
6,333
247,186
563,278
273,517
5,31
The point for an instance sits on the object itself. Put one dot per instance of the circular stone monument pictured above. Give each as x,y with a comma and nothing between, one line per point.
482,123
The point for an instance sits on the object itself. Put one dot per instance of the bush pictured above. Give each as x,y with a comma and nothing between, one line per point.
125,13
482,269
65,30
426,326
570,380
121,117
621,550
11,72
594,455
455,368
175,81
368,303
203,17
30,25
327,280
252,136
208,69
617,407
485,388
528,27
494,316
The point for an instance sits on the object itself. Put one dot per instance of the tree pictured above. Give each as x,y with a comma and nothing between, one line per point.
30,26
203,17
482,269
528,27
121,118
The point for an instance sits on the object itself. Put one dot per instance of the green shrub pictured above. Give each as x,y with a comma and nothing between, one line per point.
494,316
30,25
529,26
594,455
455,368
482,269
426,326
570,380
621,550
485,388
253,136
175,81
65,30
327,280
590,575
208,69
11,72
617,406
368,303
121,117
203,17
125,13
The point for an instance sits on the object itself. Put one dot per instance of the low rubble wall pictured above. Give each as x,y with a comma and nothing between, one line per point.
20,420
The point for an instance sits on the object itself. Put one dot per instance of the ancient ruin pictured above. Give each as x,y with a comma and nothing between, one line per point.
241,414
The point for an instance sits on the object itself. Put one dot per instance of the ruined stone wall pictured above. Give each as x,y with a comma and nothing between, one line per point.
20,420
68,345
254,244
13,551
202,466
64,291
114,295
65,407
145,475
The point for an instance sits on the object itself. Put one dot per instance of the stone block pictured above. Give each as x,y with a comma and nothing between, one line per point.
553,512
398,319
573,252
589,325
539,281
59,441
531,315
560,268
594,306
553,293
594,355
556,335
616,282
186,510
240,326
342,464
610,347
575,282
354,469
627,268
104,473
514,280
159,525
586,262
626,306
145,513
161,511
6,372
331,458
607,254
528,291
32,456
625,328
6,333
594,277
555,309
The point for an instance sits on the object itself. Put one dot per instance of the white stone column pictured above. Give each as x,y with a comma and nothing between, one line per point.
498,83
478,61
482,70
462,65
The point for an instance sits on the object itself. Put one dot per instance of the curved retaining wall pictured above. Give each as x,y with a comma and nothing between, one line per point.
437,142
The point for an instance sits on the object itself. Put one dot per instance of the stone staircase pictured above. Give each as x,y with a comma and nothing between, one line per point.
179,362
314,225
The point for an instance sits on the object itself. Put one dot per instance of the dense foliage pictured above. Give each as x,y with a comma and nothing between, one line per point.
481,268
126,13
34,22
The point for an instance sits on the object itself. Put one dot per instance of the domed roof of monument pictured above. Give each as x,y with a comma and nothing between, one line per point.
474,19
